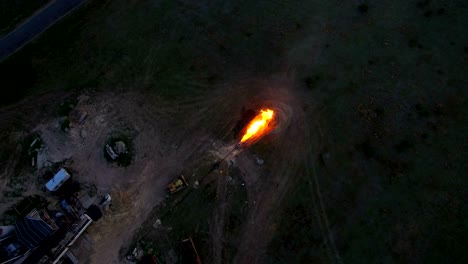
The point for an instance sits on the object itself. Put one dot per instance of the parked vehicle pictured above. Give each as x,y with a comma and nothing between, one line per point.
61,177
105,201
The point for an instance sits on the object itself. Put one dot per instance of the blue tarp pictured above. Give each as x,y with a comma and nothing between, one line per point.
31,232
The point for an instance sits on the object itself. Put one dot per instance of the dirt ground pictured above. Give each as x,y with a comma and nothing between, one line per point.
135,189
266,185
161,153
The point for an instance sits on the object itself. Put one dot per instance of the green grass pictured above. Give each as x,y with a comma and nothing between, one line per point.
13,13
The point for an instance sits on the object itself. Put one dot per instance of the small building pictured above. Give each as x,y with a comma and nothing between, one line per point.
57,181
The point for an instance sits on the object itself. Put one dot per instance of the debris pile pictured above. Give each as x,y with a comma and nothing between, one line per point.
34,148
118,149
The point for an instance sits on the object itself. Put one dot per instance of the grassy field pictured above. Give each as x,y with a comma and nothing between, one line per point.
383,83
14,12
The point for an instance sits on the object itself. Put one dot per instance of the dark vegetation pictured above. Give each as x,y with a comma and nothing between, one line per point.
22,208
66,107
308,245
312,82
63,111
30,147
191,213
363,8
126,136
25,154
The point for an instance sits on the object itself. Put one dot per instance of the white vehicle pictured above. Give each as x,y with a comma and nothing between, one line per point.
57,181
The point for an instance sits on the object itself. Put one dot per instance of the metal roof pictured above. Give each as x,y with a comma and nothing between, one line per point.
31,232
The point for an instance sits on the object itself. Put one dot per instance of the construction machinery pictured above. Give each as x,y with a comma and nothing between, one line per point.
177,185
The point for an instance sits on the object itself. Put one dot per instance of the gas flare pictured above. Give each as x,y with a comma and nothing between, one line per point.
259,126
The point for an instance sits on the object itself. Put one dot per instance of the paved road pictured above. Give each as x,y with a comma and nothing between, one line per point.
35,25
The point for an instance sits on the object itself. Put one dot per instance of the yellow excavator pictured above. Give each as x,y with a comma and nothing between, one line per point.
177,185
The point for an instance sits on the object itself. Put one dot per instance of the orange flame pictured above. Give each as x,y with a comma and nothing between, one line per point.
259,125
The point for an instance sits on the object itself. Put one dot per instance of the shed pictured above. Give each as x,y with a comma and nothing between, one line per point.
57,181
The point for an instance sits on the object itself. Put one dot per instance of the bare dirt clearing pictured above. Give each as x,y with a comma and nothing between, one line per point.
140,186
160,154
